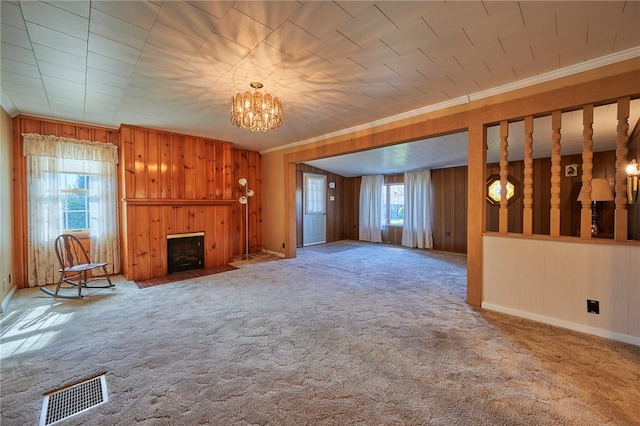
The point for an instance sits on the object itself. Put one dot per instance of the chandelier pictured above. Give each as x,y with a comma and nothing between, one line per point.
255,111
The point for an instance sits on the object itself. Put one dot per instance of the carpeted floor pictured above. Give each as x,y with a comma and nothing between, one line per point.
345,334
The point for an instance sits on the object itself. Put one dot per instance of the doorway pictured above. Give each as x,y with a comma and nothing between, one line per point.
314,196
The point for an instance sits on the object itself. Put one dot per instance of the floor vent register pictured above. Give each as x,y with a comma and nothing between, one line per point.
75,399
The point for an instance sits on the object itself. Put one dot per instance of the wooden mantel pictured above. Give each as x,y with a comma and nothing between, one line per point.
175,202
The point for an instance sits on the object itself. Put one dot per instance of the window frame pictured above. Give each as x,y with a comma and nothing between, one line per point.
80,232
386,210
491,180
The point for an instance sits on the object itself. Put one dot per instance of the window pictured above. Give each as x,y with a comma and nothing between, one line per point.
315,198
74,201
71,186
393,204
494,188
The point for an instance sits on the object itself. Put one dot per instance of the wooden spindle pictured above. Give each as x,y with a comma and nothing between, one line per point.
556,124
622,154
527,218
503,226
587,171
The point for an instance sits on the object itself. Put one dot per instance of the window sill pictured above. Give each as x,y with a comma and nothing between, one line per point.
81,233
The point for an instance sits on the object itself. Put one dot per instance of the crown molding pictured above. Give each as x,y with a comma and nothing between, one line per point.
7,104
520,84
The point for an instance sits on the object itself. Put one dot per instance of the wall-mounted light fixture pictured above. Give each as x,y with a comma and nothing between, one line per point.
244,199
633,174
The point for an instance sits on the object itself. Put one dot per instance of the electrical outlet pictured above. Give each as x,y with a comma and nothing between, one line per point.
593,306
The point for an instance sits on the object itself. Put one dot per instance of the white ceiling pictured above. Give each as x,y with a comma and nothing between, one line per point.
451,150
174,65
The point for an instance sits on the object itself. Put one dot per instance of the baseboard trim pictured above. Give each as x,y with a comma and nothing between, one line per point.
7,299
274,253
607,334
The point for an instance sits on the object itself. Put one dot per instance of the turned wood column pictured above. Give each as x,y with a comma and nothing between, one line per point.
556,124
527,218
587,171
504,175
622,154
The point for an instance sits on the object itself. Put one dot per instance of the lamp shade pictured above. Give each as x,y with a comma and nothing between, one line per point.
600,190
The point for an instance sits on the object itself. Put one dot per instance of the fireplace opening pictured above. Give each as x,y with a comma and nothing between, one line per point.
185,252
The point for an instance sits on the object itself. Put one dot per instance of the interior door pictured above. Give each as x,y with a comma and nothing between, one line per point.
314,225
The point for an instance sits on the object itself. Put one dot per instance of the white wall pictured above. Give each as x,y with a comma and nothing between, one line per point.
550,282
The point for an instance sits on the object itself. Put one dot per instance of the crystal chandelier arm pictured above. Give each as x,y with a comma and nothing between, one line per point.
255,111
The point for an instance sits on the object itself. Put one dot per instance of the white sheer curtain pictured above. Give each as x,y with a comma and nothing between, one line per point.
371,208
47,157
417,227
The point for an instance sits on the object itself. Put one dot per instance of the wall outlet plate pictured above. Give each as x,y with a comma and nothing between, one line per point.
593,306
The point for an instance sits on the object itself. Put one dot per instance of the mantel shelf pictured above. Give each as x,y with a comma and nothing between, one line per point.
175,202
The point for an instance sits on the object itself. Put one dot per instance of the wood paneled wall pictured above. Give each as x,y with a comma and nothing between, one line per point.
25,124
352,218
159,165
168,183
450,209
174,183
337,210
450,198
603,167
144,246
392,235
450,202
343,214
246,164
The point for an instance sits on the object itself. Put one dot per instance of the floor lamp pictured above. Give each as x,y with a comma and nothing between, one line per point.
244,199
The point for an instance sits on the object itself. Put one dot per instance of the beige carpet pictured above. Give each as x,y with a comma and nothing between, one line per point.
345,334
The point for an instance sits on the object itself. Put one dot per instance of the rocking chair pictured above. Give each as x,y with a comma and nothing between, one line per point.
74,266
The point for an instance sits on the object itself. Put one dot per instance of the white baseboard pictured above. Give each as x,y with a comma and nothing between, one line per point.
607,334
6,300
